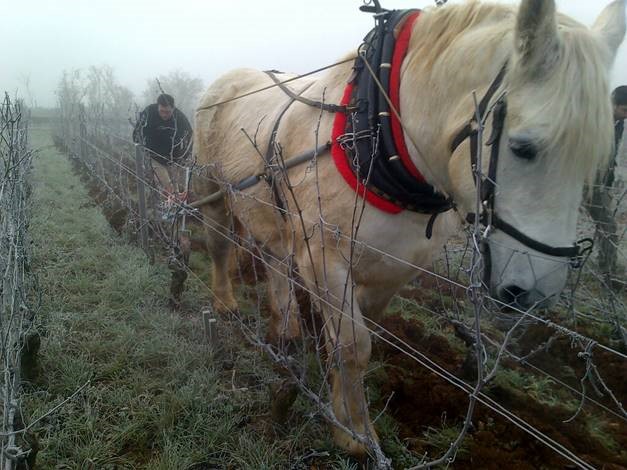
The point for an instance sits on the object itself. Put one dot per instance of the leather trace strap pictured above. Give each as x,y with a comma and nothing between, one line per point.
270,157
330,108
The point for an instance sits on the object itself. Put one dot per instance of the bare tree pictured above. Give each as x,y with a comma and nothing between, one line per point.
106,99
106,102
70,93
27,91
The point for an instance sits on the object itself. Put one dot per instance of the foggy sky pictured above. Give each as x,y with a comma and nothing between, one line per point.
144,38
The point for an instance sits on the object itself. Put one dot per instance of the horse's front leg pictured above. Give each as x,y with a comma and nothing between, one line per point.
218,227
348,345
374,299
284,311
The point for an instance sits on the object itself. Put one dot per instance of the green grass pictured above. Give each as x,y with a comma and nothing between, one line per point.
440,439
597,428
392,445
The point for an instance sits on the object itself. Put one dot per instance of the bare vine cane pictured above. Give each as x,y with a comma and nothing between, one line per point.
476,296
180,250
18,297
328,227
593,377
332,229
522,312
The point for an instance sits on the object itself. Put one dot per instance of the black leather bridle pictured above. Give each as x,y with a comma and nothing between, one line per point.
487,185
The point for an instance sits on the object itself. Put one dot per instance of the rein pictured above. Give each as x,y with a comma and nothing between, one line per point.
330,108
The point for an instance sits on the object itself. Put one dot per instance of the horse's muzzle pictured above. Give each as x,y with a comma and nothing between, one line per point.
521,299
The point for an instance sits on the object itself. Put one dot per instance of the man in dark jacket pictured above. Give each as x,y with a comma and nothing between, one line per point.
619,100
166,134
602,204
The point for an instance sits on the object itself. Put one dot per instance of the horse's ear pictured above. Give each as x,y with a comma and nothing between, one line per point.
610,25
536,33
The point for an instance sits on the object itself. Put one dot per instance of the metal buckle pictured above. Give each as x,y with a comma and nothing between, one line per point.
585,246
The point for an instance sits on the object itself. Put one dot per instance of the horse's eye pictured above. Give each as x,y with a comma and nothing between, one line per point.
524,149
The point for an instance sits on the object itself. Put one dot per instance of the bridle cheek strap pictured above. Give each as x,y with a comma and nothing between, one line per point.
489,217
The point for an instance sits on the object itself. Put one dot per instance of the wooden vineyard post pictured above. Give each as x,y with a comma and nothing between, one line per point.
188,174
211,328
181,251
141,196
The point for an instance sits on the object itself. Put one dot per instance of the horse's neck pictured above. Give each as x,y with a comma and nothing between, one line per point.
437,91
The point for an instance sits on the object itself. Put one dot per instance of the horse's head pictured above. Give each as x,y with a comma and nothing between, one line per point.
557,129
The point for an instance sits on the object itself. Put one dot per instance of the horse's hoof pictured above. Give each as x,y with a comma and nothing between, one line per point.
282,396
352,446
174,304
225,306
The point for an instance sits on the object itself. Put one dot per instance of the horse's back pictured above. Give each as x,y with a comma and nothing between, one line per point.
230,85
229,122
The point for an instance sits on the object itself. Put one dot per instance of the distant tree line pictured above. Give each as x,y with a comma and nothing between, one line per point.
104,102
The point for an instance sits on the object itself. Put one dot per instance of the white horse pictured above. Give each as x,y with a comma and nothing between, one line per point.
556,131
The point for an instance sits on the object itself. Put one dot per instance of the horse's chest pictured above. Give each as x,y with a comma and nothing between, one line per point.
390,250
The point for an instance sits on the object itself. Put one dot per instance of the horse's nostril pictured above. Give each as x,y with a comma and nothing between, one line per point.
513,295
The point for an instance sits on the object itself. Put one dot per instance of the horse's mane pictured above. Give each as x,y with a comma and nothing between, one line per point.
571,104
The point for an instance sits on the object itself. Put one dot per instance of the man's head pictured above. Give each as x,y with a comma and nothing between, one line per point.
619,99
165,104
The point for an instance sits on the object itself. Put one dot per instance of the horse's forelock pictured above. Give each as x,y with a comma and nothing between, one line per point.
571,103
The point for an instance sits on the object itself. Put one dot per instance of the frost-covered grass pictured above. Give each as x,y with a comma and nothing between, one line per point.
156,396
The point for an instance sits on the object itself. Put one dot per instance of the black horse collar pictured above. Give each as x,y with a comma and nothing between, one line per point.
372,138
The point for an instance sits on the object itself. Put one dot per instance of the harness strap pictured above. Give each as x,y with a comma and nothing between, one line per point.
430,224
499,224
471,128
270,157
373,158
400,166
489,184
330,108
399,52
338,152
251,181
